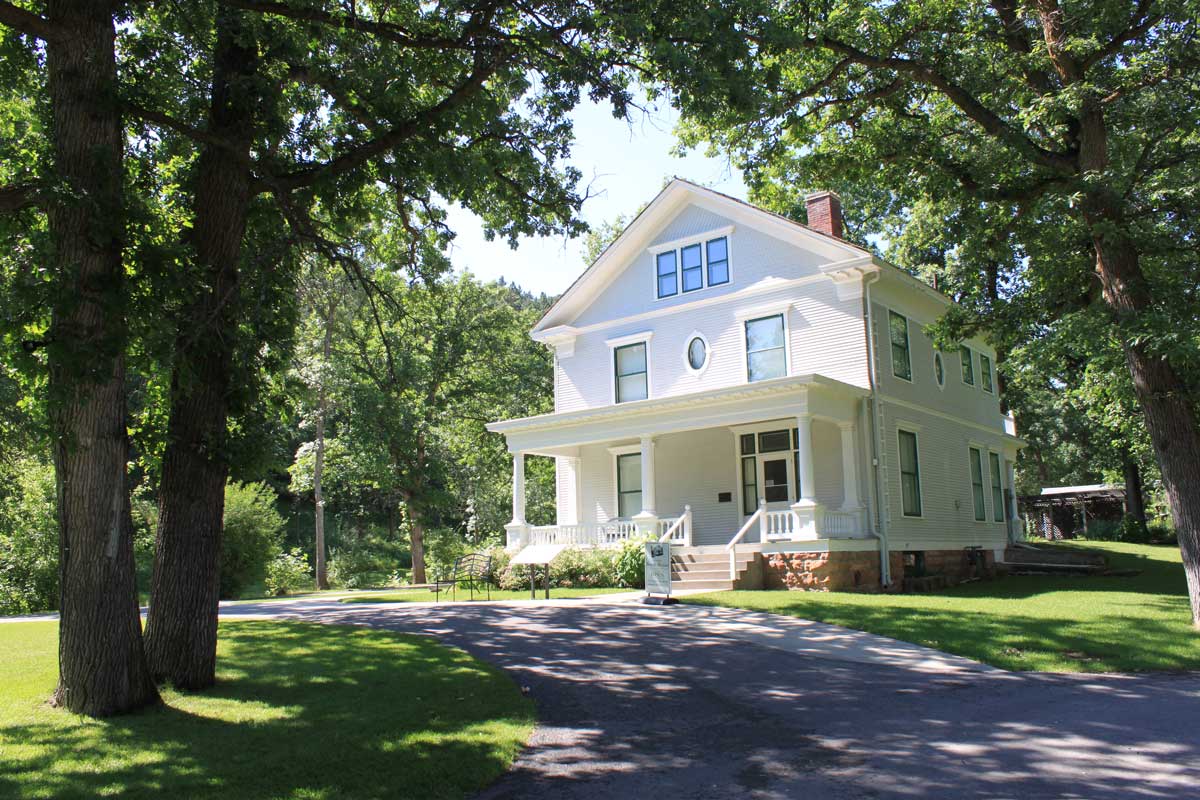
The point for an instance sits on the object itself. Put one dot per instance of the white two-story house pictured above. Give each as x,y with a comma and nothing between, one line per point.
762,394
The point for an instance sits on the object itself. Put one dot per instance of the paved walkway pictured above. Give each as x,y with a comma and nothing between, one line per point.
691,702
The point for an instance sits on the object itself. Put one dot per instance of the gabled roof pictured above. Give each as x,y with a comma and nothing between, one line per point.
673,198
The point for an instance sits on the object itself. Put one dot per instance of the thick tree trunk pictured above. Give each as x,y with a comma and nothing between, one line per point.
319,465
417,543
1135,506
181,629
1166,402
102,667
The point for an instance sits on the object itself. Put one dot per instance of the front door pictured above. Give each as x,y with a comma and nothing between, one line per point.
776,479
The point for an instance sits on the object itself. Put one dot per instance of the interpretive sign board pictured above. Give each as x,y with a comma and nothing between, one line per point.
658,568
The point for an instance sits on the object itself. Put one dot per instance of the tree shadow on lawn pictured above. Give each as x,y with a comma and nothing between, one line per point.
299,711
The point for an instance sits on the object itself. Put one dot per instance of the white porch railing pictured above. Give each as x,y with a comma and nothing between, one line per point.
677,530
841,523
777,525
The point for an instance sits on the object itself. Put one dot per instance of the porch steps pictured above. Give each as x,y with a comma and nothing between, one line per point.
692,569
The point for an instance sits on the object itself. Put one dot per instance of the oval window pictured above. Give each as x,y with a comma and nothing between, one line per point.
939,370
697,353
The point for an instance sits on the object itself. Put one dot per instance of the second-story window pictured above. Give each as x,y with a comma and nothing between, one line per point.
693,269
985,372
665,266
898,329
766,354
968,365
631,375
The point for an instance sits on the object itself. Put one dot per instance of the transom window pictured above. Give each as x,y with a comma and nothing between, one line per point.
692,267
629,485
997,488
968,365
985,372
910,475
977,484
898,329
629,364
766,355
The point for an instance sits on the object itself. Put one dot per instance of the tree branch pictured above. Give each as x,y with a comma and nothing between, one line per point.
19,196
384,30
163,120
983,116
27,22
1139,24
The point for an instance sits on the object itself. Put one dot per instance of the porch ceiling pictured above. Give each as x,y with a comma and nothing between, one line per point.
781,397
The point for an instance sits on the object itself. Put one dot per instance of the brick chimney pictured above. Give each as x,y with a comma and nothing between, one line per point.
825,213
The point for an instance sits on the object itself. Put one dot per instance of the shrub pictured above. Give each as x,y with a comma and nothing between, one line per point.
252,536
288,572
581,568
28,539
370,559
631,563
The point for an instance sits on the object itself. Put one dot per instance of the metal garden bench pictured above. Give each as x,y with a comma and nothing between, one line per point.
472,569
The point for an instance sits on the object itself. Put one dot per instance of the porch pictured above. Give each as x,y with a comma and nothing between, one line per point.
780,461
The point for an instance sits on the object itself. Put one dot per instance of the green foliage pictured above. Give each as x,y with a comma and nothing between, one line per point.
28,538
1128,529
368,557
251,539
580,568
288,572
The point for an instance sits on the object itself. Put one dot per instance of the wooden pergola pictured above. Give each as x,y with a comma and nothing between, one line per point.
1054,510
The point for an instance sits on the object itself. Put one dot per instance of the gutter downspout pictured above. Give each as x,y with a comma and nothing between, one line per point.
880,532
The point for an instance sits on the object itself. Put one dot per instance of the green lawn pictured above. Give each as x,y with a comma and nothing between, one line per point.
427,596
1071,624
299,711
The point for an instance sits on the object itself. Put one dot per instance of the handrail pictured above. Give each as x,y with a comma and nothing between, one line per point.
681,520
731,548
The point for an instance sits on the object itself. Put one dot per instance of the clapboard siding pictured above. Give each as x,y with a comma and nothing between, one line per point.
948,519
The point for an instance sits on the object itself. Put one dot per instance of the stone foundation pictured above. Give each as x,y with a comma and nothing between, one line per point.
859,571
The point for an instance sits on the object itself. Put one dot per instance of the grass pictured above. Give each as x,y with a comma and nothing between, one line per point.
299,711
1041,623
427,596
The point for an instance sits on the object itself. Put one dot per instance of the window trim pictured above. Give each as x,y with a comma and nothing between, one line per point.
892,346
900,473
999,512
687,345
678,245
979,514
990,384
967,366
746,318
617,454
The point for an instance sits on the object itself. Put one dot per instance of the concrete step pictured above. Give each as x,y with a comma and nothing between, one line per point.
713,558
713,585
702,574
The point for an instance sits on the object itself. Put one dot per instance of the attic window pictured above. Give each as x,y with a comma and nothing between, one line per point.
689,265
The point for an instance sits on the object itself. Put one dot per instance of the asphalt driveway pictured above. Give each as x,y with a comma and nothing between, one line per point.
646,702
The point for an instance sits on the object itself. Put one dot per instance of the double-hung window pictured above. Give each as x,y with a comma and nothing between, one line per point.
718,261
629,365
629,485
766,354
910,475
666,271
985,372
898,330
977,484
693,269
968,365
997,487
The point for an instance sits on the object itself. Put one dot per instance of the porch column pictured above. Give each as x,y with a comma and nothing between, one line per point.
806,509
804,442
517,530
849,468
647,519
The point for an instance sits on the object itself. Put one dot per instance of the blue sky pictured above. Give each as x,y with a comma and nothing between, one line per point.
625,164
